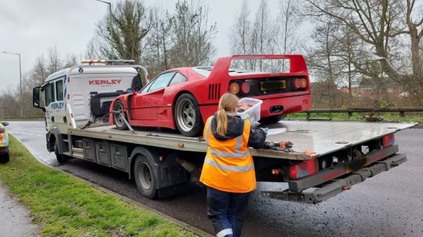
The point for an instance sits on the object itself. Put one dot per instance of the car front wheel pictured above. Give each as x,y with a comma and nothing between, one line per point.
187,116
119,115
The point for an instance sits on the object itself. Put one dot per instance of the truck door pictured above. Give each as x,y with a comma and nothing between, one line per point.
55,107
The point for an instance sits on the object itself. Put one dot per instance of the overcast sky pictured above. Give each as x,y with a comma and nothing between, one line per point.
33,27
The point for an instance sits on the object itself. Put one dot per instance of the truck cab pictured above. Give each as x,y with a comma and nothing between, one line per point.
78,96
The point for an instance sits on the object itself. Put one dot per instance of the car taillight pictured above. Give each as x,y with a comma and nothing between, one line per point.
245,87
388,140
296,83
234,88
299,83
303,169
303,82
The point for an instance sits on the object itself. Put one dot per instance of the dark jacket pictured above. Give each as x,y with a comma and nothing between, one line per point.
235,128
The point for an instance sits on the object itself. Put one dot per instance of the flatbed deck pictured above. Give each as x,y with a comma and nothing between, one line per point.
310,138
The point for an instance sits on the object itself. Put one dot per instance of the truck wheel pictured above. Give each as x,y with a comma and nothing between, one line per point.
60,157
119,122
187,116
145,175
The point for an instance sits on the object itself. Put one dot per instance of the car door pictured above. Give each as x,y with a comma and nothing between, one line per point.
147,104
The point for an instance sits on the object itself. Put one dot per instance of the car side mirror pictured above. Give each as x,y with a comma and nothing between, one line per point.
5,123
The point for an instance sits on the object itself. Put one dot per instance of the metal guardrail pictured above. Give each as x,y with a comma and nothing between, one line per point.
350,111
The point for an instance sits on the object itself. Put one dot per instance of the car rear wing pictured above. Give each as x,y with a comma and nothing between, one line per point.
297,63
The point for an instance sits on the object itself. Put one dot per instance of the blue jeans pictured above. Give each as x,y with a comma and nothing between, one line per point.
226,211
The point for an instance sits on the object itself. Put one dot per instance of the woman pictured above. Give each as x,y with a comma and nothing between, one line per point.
228,170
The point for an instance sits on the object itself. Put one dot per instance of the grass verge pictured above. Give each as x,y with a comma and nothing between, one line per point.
63,205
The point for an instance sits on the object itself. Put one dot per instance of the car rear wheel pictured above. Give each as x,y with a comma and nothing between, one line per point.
118,109
187,116
271,120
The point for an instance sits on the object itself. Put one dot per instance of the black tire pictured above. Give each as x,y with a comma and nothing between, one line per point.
187,116
272,120
60,157
119,122
145,174
4,158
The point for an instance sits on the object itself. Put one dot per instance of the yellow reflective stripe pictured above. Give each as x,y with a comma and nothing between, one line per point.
228,154
238,143
227,167
208,129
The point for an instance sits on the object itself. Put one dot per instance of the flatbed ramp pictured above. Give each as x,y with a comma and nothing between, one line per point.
310,138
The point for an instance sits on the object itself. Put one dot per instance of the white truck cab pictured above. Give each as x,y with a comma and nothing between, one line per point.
78,95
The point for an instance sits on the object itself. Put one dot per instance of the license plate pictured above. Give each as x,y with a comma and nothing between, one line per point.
272,85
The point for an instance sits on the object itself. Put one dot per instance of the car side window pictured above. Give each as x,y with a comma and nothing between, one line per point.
178,78
161,81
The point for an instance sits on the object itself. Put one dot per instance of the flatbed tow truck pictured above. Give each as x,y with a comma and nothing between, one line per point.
321,160
345,153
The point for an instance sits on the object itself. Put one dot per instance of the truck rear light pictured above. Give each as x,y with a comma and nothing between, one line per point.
388,140
276,172
303,169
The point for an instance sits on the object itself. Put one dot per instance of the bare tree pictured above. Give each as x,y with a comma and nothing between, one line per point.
121,36
54,62
192,35
287,25
326,64
381,25
158,43
241,35
9,102
262,40
267,34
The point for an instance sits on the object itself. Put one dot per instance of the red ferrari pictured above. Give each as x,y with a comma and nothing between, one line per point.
183,98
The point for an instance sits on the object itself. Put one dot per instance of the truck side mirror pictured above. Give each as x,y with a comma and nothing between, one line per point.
36,98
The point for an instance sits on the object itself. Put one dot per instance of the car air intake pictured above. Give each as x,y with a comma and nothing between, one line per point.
214,92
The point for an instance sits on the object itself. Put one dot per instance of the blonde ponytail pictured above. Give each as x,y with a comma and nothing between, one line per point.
228,102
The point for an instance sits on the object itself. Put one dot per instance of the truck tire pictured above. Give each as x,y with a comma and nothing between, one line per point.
187,116
119,122
60,157
145,173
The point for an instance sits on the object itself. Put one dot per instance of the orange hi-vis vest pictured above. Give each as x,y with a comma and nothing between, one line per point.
228,165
